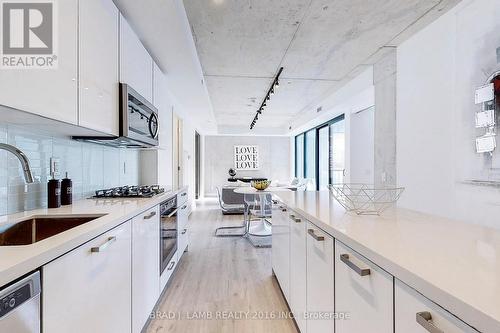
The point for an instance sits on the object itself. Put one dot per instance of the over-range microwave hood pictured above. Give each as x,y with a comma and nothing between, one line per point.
138,123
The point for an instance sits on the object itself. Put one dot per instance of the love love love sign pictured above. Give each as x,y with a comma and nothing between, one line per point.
246,157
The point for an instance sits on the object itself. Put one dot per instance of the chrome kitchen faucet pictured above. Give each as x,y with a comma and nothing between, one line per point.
28,176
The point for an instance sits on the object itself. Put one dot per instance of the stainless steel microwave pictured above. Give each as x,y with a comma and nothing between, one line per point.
138,122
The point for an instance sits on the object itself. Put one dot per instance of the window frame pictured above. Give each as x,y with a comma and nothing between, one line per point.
304,143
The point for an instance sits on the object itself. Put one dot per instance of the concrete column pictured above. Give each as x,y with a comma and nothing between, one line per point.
384,80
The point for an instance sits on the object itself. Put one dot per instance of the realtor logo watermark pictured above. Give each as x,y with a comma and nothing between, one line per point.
29,31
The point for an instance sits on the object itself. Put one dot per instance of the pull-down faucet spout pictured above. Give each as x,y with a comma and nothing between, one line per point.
25,163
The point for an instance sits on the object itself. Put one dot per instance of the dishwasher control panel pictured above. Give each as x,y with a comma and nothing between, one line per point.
18,293
14,299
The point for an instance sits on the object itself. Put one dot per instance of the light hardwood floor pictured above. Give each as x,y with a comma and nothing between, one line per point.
221,277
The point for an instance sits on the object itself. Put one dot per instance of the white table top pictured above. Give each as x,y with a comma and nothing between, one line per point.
251,190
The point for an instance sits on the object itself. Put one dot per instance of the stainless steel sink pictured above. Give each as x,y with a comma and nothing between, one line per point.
40,227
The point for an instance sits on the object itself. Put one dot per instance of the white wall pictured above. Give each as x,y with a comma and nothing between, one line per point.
362,146
274,159
438,69
188,159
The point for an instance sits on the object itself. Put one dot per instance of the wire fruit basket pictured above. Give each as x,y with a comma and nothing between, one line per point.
365,199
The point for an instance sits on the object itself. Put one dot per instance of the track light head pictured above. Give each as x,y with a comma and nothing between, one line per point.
268,97
277,84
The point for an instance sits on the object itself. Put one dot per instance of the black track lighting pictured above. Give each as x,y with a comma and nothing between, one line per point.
270,92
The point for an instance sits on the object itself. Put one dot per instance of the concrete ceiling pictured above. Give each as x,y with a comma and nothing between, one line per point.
320,43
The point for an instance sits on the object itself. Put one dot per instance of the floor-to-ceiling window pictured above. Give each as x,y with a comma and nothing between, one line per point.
299,156
337,152
310,159
320,154
323,157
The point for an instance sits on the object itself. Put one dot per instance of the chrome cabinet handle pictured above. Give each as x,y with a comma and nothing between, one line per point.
169,268
424,319
316,237
103,246
183,231
360,271
150,215
283,209
183,194
183,207
295,219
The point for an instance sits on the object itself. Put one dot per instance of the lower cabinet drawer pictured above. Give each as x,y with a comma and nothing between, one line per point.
416,314
182,241
89,288
363,294
167,273
298,276
320,280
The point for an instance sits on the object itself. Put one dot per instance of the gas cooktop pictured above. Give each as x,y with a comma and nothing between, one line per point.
129,192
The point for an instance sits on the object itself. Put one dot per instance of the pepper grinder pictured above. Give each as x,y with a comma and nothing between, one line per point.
66,191
54,193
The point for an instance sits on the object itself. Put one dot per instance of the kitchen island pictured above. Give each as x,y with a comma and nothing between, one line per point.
454,265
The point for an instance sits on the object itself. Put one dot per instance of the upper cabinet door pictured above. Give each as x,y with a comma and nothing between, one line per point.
136,65
99,51
50,93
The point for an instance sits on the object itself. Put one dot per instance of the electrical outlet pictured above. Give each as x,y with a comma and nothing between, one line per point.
55,165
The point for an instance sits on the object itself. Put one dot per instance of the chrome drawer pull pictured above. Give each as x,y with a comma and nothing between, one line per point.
184,231
147,217
360,271
103,246
424,319
316,237
283,209
183,194
183,207
295,219
169,268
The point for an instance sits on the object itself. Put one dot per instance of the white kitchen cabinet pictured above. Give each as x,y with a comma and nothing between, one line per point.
364,291
182,227
99,68
145,266
136,64
320,280
416,314
156,165
298,278
89,288
52,93
281,247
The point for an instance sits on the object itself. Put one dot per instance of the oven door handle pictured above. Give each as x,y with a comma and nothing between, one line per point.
172,214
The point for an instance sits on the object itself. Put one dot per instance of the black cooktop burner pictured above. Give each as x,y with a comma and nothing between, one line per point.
129,192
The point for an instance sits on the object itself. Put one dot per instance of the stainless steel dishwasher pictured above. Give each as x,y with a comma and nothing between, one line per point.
20,305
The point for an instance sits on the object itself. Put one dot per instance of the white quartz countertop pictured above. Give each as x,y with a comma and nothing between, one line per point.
456,265
16,261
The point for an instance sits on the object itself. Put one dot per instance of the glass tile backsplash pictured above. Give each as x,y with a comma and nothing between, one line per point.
90,166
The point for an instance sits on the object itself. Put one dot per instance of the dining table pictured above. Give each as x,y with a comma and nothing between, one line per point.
262,228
